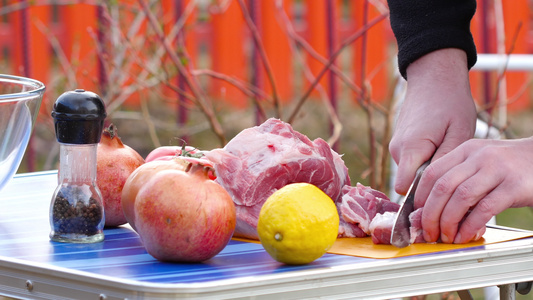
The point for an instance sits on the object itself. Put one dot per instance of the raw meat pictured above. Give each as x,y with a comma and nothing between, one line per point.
381,227
348,229
364,211
417,234
359,205
262,159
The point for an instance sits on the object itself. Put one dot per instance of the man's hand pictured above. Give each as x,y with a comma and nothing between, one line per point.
464,189
437,115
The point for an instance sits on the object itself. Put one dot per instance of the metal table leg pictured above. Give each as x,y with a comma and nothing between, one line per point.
465,295
507,291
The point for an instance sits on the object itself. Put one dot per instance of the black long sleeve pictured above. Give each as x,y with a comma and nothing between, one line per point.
423,26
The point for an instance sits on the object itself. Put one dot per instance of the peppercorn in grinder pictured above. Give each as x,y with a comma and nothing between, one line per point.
77,211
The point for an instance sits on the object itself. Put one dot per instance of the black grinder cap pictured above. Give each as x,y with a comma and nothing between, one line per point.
79,117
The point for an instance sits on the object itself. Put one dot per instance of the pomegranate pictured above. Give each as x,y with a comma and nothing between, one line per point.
139,177
167,152
115,163
183,216
186,153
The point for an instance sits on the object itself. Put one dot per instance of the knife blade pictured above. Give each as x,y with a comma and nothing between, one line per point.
400,235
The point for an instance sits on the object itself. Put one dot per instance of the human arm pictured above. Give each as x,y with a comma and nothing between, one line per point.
421,27
477,179
437,115
435,51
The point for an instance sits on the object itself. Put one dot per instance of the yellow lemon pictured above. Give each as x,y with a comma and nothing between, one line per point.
298,224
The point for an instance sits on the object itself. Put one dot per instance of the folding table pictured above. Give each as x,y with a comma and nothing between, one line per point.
32,266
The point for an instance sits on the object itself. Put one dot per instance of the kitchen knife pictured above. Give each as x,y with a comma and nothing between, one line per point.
400,235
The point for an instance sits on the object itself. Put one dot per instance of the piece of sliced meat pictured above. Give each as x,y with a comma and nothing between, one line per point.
417,234
347,229
360,204
381,227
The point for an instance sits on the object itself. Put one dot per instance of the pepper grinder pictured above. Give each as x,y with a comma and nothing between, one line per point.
77,211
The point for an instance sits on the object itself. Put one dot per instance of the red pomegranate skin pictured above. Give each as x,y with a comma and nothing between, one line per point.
166,152
138,179
184,218
115,163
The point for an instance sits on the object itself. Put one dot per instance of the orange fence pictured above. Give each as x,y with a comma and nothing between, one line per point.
26,33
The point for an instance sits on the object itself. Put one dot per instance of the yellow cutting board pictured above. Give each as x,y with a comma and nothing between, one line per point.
364,247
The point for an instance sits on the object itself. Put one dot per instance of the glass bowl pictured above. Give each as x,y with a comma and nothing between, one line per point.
20,100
